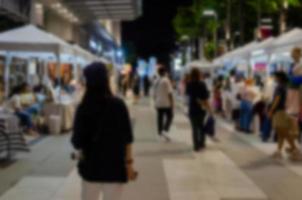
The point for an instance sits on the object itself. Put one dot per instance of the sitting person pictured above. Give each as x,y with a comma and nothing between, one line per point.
24,105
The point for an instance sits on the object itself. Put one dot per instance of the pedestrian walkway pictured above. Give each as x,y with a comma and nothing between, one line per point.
233,169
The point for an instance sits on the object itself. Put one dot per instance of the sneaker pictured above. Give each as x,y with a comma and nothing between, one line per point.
166,137
277,155
289,150
215,139
295,156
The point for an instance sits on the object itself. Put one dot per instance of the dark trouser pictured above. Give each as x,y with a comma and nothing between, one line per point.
164,119
25,119
199,137
265,128
246,115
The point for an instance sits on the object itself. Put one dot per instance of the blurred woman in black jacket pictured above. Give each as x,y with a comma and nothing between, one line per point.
103,136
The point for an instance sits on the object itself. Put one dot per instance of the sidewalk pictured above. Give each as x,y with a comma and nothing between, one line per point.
234,169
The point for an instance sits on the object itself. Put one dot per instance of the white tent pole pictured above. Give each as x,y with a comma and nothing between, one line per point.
28,78
8,62
58,74
58,68
75,67
45,72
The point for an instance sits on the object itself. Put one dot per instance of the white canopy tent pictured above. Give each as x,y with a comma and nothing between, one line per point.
263,47
260,56
287,41
243,54
203,65
29,38
239,56
31,42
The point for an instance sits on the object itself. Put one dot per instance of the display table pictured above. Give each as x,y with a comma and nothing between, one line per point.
65,110
11,137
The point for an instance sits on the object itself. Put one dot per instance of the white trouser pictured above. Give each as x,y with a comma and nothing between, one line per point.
93,191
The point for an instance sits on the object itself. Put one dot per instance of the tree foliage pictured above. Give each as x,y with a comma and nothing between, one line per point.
272,6
186,23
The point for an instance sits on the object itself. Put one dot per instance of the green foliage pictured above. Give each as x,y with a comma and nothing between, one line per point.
212,26
209,50
190,21
186,23
272,6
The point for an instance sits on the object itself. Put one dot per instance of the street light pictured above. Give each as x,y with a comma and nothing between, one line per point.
212,13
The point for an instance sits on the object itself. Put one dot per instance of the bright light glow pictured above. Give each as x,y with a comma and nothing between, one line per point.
177,64
63,11
209,13
267,20
39,6
119,53
57,5
258,52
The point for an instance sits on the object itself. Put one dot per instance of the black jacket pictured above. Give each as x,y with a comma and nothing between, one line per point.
102,129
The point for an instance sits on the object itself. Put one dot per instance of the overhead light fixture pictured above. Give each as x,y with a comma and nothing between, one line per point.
64,12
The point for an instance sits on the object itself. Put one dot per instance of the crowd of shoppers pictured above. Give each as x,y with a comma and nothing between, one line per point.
275,101
103,134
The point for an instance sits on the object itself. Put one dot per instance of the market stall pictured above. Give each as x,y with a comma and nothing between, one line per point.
260,57
239,58
32,43
55,56
282,47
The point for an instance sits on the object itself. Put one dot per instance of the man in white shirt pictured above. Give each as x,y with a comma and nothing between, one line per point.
164,103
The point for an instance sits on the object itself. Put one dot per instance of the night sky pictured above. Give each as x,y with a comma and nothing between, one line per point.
153,34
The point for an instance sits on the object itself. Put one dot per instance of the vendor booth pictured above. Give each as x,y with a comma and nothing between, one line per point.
239,59
32,55
260,57
282,47
40,54
31,43
203,65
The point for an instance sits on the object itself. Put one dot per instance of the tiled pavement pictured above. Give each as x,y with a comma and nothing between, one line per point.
237,168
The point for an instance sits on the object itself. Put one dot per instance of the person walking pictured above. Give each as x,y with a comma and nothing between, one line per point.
147,84
198,96
283,122
136,83
164,103
102,136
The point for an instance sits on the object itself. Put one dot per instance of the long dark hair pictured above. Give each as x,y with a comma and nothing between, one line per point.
97,83
195,75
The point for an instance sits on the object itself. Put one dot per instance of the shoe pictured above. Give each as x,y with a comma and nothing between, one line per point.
277,155
215,139
289,150
166,137
295,156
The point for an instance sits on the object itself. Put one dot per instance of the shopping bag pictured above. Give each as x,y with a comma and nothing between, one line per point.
209,126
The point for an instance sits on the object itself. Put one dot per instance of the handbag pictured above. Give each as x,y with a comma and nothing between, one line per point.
209,126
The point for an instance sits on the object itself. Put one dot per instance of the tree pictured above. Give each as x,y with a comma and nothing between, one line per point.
186,23
275,6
